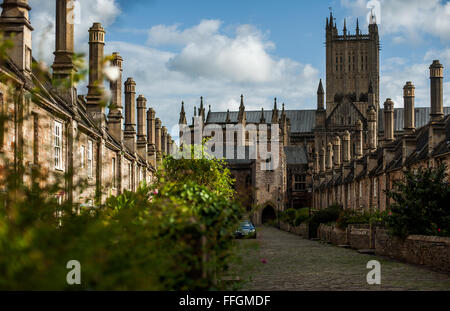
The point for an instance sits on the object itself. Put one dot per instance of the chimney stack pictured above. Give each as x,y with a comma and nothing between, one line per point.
63,66
316,163
158,139
437,91
372,129
115,109
95,88
346,147
151,136
359,139
322,159
169,142
164,140
329,156
337,151
408,103
388,120
141,130
15,25
437,126
130,114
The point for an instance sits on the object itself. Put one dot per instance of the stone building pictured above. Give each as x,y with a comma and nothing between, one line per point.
347,151
50,126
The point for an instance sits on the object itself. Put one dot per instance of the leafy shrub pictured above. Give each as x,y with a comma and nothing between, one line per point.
288,216
351,217
325,216
421,203
294,217
168,236
301,216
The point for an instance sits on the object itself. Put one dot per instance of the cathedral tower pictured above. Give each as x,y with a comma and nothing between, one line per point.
352,62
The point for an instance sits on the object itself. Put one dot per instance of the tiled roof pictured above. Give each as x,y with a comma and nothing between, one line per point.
296,155
302,121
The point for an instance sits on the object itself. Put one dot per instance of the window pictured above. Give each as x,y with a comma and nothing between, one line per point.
299,182
360,189
58,145
82,153
90,153
113,172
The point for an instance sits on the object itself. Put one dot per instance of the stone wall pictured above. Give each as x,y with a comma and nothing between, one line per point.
301,230
332,234
431,251
360,237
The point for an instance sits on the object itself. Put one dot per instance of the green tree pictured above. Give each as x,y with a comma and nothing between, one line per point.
421,203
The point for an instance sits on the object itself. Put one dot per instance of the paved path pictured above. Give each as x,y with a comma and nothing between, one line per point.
294,263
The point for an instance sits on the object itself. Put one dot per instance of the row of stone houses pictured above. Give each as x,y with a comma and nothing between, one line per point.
360,180
50,127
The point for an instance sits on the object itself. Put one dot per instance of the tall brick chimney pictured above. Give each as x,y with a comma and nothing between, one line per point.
151,136
130,114
337,151
141,127
359,140
94,104
388,120
115,108
408,104
329,157
346,147
63,66
15,25
163,140
169,143
158,139
408,139
437,126
322,159
316,163
372,129
437,91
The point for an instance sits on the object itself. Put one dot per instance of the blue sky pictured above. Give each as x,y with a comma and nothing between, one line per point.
181,50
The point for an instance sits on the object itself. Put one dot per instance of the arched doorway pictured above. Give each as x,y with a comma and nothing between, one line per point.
268,214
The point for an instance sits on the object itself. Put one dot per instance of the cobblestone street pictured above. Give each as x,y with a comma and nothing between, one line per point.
294,263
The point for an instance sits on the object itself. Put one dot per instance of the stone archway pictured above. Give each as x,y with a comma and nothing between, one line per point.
268,214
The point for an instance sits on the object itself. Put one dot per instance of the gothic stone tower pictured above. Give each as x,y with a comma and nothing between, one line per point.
352,63
352,82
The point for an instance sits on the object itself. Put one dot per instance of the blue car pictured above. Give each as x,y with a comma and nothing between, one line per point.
246,230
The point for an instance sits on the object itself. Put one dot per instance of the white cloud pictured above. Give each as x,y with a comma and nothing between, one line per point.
208,53
206,62
43,19
412,18
395,72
